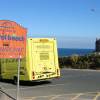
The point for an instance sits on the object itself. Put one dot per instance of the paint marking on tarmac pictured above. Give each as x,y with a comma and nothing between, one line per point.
77,96
57,96
63,94
96,97
54,97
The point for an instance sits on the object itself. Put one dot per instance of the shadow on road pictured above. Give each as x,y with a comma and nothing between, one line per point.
27,83
6,81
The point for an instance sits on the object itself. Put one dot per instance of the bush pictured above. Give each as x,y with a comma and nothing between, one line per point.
80,62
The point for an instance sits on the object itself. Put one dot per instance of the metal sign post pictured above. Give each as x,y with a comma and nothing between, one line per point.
18,79
12,33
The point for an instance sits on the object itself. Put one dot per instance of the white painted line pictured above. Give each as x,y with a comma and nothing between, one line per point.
96,97
33,98
77,96
55,97
84,93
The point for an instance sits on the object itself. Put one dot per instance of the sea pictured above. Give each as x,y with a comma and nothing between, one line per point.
70,51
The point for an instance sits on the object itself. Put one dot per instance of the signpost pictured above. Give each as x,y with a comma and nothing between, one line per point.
13,43
18,78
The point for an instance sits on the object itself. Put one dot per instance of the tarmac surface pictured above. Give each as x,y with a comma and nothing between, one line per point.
72,85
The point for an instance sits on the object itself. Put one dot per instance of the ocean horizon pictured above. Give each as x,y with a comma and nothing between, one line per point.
72,51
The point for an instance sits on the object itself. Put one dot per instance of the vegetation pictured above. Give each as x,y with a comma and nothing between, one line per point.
90,61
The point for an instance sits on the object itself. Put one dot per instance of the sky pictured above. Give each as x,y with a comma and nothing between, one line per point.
74,23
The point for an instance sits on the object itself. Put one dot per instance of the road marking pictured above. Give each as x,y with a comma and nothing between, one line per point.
33,98
42,96
54,97
96,97
63,94
78,95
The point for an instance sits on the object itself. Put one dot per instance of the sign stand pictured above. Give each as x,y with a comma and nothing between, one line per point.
12,33
18,79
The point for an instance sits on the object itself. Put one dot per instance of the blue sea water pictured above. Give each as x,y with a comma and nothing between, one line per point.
69,52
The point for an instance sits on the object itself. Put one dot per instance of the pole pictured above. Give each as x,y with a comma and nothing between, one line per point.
18,78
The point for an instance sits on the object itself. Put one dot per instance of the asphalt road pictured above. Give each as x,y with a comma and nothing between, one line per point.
73,85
